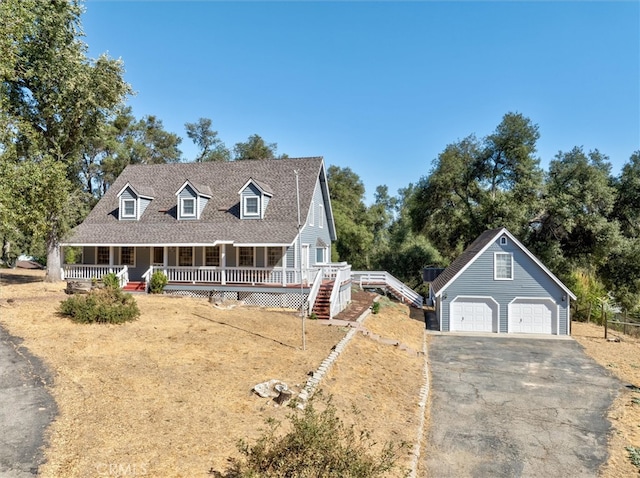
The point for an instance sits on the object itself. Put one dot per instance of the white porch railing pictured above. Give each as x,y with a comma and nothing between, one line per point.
229,275
383,279
85,271
123,277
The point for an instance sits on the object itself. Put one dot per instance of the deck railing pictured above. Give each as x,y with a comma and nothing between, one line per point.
229,275
341,274
385,280
84,271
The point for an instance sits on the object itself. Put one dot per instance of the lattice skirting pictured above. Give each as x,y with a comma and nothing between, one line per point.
260,299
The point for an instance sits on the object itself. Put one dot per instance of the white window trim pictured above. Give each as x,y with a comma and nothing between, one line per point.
134,256
312,213
193,255
320,216
124,214
324,255
195,207
495,265
253,254
245,210
503,241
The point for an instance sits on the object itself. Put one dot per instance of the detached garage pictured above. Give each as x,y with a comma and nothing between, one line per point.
496,285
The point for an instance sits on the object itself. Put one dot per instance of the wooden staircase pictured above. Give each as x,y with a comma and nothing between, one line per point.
322,305
133,286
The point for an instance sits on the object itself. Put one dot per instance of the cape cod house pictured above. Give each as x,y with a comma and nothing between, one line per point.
497,285
228,228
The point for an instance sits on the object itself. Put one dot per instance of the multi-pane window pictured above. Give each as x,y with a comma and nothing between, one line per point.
251,206
127,256
129,208
245,257
188,207
274,256
158,256
102,255
503,266
185,256
212,256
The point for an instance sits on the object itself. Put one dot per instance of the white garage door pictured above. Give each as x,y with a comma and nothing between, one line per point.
474,315
533,316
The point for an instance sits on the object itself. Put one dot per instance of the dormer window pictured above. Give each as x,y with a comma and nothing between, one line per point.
192,200
129,208
133,201
254,199
251,206
188,207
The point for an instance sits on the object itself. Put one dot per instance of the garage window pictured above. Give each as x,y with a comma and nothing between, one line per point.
503,266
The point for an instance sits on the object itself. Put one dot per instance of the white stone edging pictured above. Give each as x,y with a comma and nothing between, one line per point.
313,382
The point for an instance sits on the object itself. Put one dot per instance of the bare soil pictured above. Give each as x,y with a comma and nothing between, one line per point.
170,393
623,360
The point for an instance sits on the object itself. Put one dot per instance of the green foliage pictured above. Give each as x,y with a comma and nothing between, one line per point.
591,294
72,255
108,305
317,445
211,147
111,280
634,455
254,148
158,282
53,100
375,307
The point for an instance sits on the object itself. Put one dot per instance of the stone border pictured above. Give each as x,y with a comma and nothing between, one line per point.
313,382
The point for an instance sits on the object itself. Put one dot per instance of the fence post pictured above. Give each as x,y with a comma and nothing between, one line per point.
605,322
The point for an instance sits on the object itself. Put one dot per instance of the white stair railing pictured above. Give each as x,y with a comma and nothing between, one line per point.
123,277
315,288
383,279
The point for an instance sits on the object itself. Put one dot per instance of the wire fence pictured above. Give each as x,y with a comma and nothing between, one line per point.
627,327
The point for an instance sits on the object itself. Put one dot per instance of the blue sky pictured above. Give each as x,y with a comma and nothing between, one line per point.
381,87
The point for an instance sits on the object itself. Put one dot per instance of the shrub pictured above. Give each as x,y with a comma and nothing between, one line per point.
106,305
634,455
375,307
111,280
318,444
158,282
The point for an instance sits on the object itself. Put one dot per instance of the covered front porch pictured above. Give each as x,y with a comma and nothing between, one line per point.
266,276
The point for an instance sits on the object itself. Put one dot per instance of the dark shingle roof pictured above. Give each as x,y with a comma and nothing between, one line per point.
465,258
220,219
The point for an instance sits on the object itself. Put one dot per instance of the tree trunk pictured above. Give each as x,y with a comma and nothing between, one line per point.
54,269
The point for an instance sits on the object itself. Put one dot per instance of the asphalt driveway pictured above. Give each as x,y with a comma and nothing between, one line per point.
26,409
511,407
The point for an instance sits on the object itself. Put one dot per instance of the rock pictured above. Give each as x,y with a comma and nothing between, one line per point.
271,388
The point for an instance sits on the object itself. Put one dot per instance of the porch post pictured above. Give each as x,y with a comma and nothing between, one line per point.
165,259
284,267
111,258
223,264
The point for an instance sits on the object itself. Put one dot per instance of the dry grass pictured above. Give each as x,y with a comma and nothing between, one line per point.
623,360
170,394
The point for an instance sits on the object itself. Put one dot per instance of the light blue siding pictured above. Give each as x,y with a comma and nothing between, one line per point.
291,256
143,203
251,191
314,235
529,280
201,205
186,193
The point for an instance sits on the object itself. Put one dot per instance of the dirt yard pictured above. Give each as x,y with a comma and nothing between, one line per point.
170,394
623,360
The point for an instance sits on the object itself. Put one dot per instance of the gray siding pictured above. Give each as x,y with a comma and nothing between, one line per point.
143,203
313,235
529,280
259,254
231,255
186,193
201,205
291,256
89,255
251,191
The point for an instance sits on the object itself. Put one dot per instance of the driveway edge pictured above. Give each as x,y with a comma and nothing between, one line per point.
422,404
